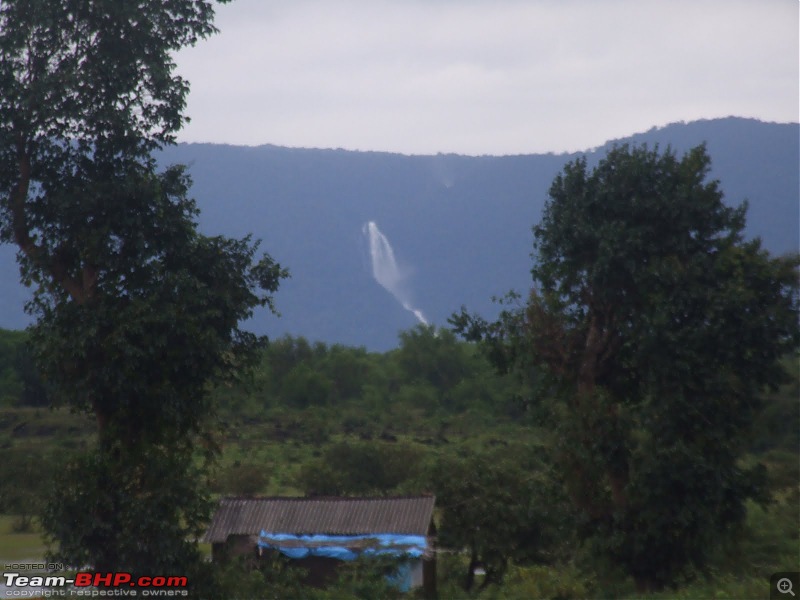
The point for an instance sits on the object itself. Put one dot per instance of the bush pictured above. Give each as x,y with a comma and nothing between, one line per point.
360,468
22,524
546,582
242,479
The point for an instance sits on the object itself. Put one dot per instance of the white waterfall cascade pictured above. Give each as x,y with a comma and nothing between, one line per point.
385,269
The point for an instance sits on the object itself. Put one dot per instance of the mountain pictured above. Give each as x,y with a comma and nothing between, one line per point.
459,226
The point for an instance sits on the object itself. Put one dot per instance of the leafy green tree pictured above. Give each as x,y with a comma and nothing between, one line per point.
20,383
498,505
11,386
34,392
303,387
20,494
347,369
361,468
656,325
242,479
778,424
286,353
136,310
431,356
136,506
438,373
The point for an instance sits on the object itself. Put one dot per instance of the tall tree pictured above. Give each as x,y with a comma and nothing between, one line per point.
499,505
136,310
88,92
657,326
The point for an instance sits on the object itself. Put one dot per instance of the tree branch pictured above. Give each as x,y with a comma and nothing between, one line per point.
22,236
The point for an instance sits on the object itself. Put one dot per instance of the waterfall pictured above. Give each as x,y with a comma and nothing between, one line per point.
385,269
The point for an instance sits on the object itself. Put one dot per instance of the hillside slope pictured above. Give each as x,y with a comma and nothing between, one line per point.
460,227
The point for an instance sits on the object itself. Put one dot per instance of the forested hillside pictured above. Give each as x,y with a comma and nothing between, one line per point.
460,226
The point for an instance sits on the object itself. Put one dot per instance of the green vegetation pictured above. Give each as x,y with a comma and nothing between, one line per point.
486,460
19,546
137,313
622,432
652,328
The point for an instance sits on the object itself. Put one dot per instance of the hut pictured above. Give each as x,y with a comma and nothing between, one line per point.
318,533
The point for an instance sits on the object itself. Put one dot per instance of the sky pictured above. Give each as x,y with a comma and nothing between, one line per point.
485,76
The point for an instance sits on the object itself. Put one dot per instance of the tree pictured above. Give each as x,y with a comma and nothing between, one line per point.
242,479
136,310
360,468
498,506
431,356
657,325
11,386
304,386
20,494
347,368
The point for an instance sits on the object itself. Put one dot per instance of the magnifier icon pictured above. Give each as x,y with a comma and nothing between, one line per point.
784,586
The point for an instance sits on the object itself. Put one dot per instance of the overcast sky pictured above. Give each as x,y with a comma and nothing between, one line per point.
485,76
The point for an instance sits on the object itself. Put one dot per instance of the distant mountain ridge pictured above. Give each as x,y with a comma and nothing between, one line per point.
459,226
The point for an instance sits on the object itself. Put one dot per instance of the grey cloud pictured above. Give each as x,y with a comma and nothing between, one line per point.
482,77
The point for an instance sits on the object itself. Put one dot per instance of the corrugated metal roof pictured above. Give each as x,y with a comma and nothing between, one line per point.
336,516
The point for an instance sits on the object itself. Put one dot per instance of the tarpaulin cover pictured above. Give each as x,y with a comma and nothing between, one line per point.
344,547
350,547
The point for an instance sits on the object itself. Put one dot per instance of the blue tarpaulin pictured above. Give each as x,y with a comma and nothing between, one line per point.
350,547
344,547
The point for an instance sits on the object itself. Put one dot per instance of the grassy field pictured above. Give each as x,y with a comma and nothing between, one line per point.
19,546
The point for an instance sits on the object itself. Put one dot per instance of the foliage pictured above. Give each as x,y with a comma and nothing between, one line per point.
378,395
304,387
642,282
113,502
16,546
136,310
20,384
360,468
432,356
87,85
10,384
21,494
241,479
777,424
364,579
498,505
160,323
245,577
274,576
739,567
546,582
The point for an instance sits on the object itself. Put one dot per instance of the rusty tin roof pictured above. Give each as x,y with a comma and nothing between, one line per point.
334,516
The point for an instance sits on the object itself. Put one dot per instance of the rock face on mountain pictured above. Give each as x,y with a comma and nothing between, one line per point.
458,227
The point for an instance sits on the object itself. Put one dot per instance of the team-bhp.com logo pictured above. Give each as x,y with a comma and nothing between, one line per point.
92,584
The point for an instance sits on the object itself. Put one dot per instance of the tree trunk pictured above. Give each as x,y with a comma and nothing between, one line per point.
645,584
597,349
473,562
